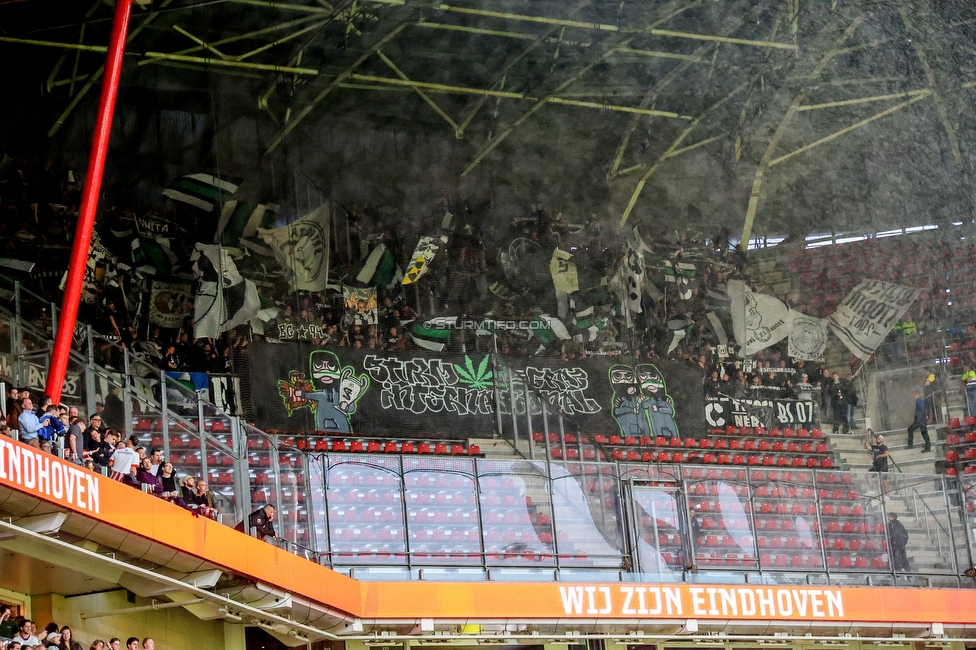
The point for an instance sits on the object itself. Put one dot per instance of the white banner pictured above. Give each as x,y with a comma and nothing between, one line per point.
169,303
868,313
808,338
758,320
302,249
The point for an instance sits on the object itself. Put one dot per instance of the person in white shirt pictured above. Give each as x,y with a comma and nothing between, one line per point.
122,461
24,637
156,456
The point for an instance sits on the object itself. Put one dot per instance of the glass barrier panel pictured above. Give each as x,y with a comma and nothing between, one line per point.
852,521
315,500
919,527
516,514
294,509
586,512
661,514
721,517
365,511
442,511
220,482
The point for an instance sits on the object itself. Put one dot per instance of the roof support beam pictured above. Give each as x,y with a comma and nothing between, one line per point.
862,100
673,151
325,92
461,90
757,182
430,102
833,136
95,76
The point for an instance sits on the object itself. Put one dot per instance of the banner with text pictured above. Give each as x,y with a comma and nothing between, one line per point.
725,411
299,387
868,313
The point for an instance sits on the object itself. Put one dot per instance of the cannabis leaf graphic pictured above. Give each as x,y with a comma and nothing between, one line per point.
479,379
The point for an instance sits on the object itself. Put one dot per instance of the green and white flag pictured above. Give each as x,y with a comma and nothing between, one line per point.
202,191
302,249
433,334
547,329
223,299
380,269
242,219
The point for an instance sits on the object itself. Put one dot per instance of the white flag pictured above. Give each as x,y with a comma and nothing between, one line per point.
808,338
868,313
302,249
427,247
758,320
223,299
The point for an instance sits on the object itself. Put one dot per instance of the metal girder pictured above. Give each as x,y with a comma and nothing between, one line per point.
653,93
95,76
488,148
862,100
673,150
757,183
920,95
502,74
930,80
325,92
430,102
461,90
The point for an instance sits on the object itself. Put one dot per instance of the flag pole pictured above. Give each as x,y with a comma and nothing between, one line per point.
89,203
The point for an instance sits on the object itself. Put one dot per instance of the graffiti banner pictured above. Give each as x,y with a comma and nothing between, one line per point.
724,411
301,388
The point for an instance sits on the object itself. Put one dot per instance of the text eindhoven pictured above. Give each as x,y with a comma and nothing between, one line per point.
759,602
47,475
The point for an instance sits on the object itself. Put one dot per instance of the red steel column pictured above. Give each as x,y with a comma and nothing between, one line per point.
89,202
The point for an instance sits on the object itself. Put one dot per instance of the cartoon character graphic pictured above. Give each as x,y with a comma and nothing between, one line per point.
754,321
657,407
331,394
293,391
627,402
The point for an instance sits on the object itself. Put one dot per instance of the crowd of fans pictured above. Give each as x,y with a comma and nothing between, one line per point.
20,633
100,445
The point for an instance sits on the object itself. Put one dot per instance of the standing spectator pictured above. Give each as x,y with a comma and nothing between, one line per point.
67,640
261,522
920,423
879,455
969,382
851,400
148,644
929,394
106,447
115,643
156,459
28,423
804,389
24,636
122,461
97,644
114,410
898,538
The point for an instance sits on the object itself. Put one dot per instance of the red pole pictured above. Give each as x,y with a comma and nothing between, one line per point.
89,202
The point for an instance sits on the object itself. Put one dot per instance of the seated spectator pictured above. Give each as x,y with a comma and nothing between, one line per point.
188,490
132,478
148,480
205,500
97,644
260,523
171,489
4,429
51,425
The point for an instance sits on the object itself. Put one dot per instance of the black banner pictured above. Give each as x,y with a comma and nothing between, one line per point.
724,411
298,387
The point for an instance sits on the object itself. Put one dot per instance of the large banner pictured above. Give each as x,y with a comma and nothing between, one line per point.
725,411
758,320
297,386
868,313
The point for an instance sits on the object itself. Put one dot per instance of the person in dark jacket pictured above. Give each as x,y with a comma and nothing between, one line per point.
261,522
898,537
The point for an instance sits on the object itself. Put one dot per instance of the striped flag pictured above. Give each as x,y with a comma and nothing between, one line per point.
433,334
380,269
427,247
202,191
547,329
240,219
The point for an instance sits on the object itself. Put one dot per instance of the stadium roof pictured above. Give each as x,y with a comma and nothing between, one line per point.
795,117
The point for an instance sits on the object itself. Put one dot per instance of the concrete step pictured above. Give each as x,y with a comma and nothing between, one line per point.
497,448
